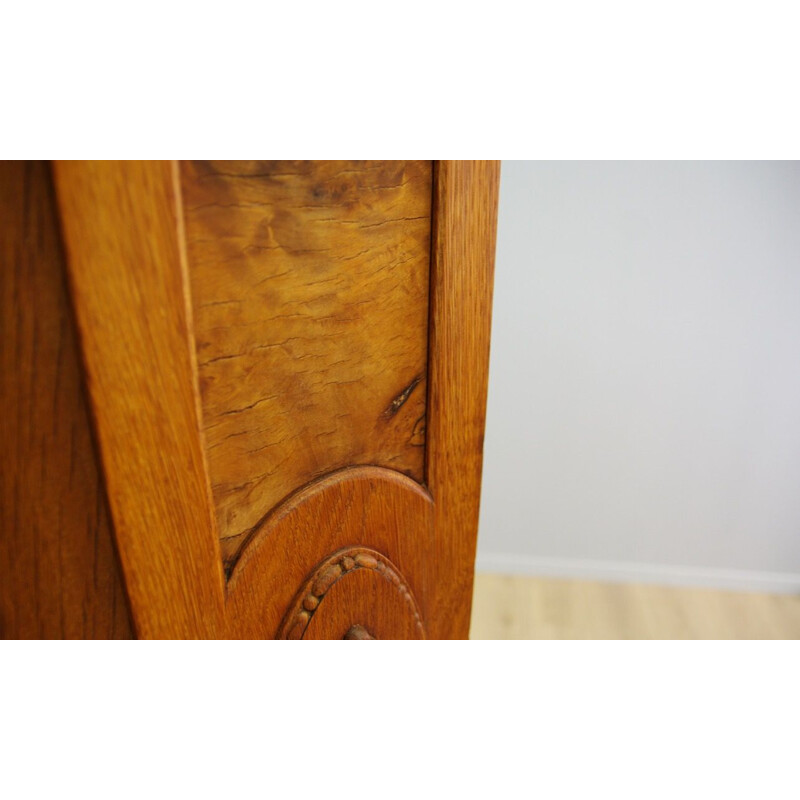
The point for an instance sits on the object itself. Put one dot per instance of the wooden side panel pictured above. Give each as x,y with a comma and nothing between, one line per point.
353,548
310,292
465,226
130,276
59,576
121,227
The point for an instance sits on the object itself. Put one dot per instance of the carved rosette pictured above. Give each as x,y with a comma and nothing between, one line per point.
337,567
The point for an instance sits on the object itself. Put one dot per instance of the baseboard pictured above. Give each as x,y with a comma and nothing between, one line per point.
630,572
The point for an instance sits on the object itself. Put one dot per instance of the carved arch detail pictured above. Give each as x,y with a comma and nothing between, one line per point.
333,569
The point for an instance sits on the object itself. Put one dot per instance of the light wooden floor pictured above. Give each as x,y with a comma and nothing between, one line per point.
513,607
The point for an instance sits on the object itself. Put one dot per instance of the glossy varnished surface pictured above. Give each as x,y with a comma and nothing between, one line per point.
120,222
309,284
141,292
387,514
330,605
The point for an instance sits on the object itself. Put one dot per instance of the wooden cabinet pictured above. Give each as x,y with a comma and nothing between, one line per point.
260,385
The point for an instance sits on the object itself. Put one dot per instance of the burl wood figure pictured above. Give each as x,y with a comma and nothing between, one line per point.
243,399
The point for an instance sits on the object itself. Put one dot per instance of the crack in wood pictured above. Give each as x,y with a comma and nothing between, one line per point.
401,398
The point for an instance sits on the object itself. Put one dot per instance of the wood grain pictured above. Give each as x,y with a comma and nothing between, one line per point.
465,227
310,291
59,575
121,226
386,513
330,604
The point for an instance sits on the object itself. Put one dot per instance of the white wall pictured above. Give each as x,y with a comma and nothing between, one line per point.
644,398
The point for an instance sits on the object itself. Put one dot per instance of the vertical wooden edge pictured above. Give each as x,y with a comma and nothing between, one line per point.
122,231
189,311
59,572
462,273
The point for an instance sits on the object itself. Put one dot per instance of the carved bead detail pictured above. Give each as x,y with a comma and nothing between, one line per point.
311,595
299,625
326,580
367,561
